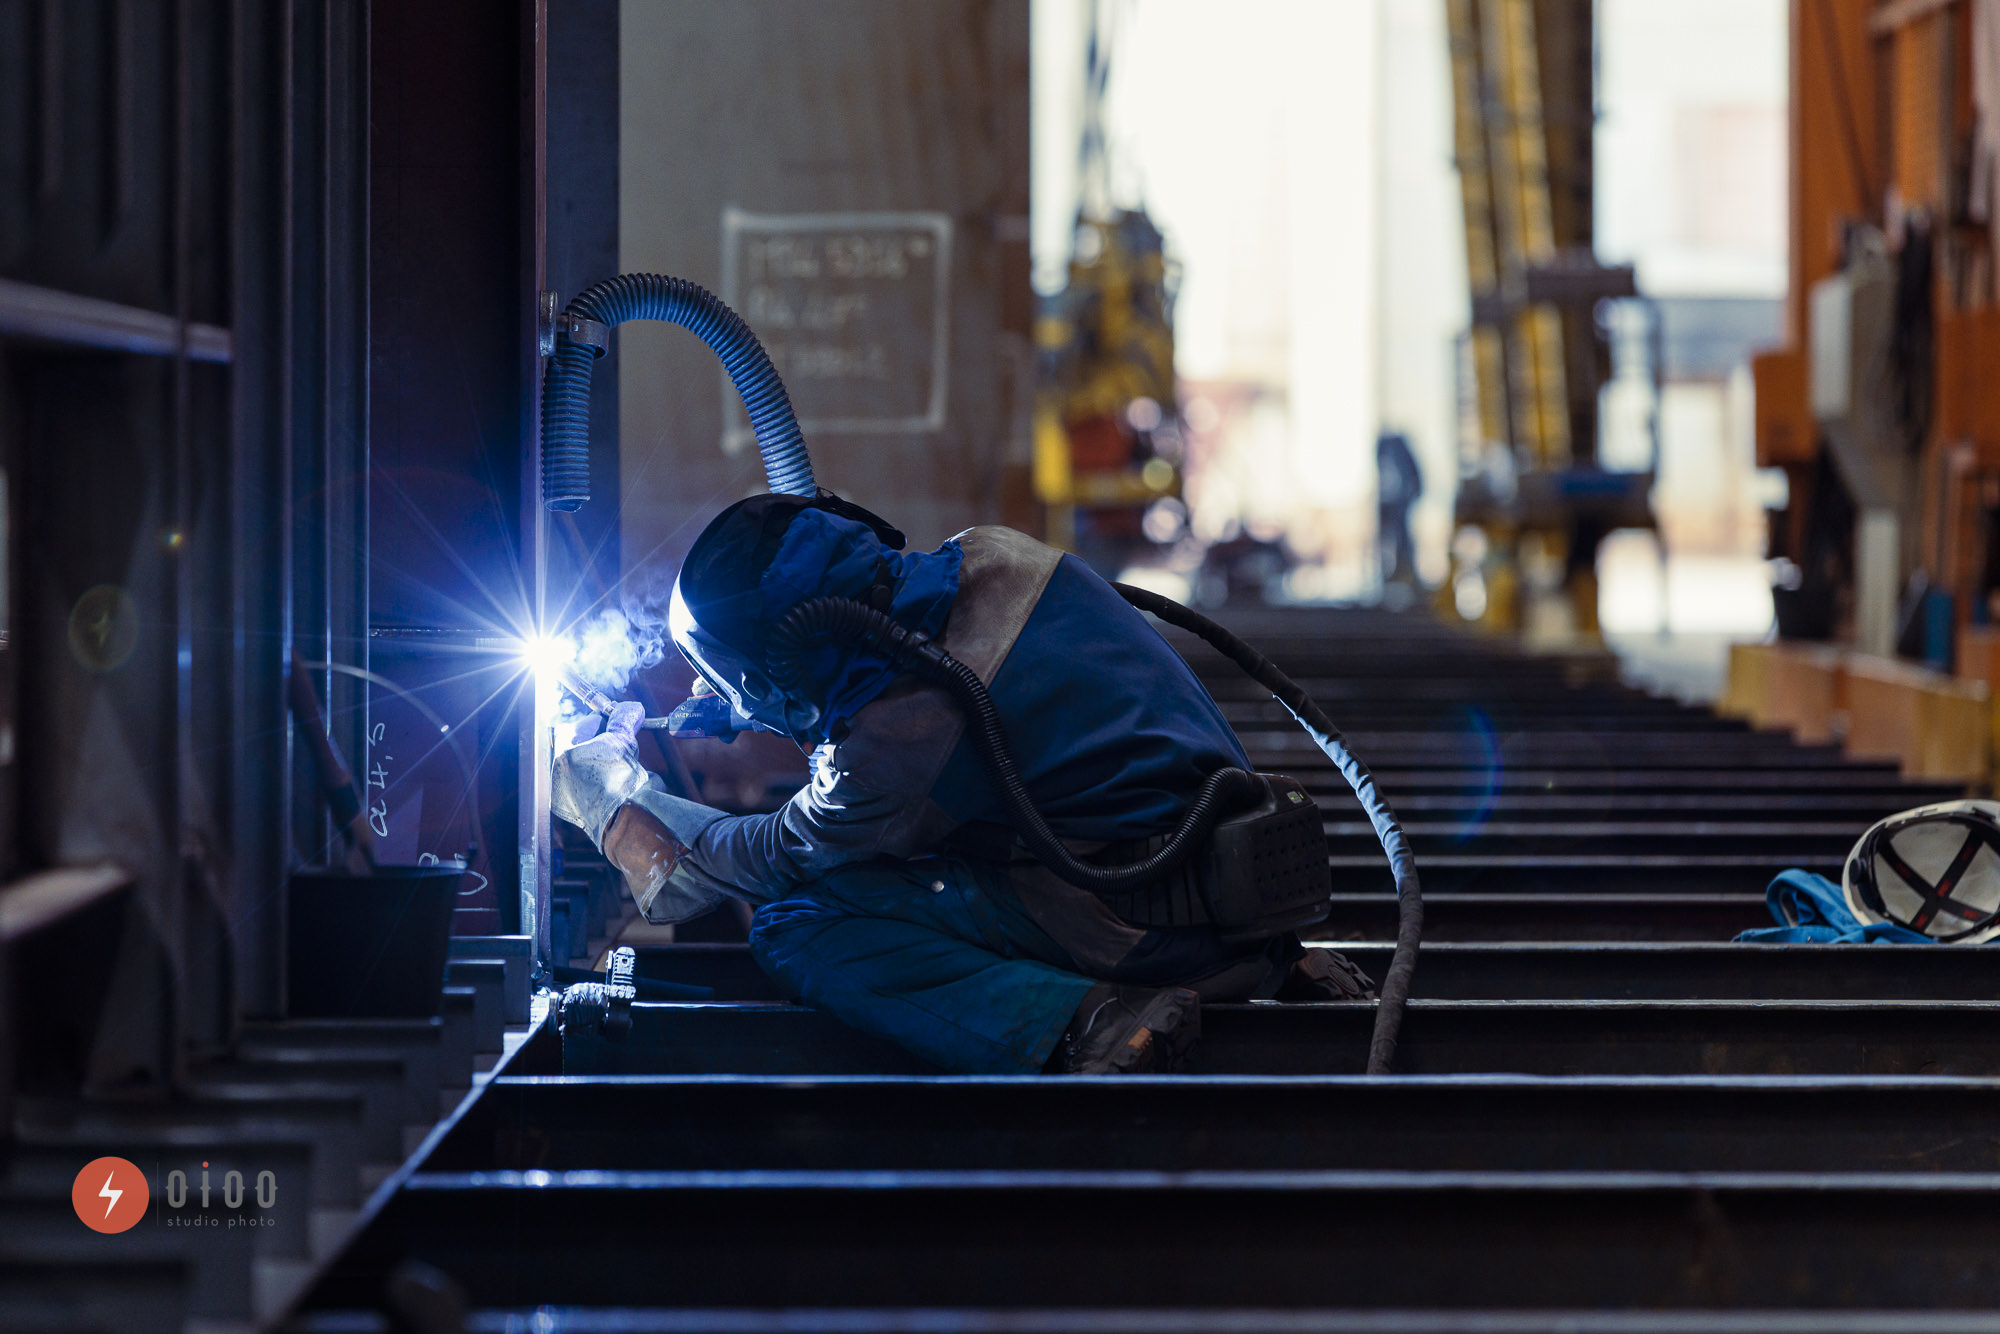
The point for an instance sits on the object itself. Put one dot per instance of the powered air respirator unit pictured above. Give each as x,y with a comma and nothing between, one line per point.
1248,855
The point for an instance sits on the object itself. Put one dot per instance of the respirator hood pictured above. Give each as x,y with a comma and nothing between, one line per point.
755,562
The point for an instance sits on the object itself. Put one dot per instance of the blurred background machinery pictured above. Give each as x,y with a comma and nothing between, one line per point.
1106,355
1107,407
1534,500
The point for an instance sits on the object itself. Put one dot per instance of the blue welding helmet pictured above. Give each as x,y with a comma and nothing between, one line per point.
1933,870
717,616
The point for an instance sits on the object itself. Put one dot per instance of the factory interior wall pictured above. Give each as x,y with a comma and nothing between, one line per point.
844,107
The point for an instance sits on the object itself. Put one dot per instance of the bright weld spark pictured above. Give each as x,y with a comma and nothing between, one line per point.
547,654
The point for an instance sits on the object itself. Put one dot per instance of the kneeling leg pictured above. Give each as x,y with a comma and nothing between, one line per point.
918,982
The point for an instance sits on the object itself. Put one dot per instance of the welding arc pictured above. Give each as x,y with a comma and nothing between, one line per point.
653,296
1402,863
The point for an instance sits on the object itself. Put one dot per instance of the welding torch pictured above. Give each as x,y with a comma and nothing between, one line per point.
600,702
705,715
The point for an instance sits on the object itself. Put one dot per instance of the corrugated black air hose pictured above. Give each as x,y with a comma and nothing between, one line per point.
653,296
1395,989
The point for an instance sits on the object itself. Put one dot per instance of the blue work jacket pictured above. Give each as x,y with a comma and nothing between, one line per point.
1111,730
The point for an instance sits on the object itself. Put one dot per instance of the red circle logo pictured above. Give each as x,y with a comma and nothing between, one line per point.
110,1195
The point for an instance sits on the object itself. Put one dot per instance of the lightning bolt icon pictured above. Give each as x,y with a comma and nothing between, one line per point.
109,1194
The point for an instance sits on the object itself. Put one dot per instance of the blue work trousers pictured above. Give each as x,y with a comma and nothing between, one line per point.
937,955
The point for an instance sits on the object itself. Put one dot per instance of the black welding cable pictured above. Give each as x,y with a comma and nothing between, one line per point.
1395,988
844,620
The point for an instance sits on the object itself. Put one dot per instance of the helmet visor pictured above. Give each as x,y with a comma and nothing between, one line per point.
733,675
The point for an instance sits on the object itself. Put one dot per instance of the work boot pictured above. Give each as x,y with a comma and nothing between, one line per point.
1129,1031
1323,975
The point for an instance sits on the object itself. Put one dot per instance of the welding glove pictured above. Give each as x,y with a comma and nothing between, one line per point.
594,779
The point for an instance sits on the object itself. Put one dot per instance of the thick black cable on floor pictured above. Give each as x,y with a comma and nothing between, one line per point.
1395,988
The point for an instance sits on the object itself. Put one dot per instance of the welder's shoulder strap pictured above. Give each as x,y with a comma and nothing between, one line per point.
872,793
1000,579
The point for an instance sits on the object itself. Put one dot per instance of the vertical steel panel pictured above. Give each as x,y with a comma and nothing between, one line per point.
299,303
345,336
535,846
259,799
447,397
192,925
581,248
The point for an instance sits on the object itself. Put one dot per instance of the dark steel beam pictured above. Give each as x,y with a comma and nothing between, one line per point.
1181,1124
45,315
1730,811
1287,1239
1763,843
1439,1037
1212,1320
1359,869
1583,970
1555,714
1593,773
1683,1037
1393,750
1515,909
1597,970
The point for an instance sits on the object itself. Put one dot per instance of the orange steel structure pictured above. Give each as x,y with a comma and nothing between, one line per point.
1885,133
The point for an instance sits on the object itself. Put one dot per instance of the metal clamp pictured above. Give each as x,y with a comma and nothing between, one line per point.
592,334
549,324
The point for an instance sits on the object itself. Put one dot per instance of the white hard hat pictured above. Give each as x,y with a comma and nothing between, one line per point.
1935,869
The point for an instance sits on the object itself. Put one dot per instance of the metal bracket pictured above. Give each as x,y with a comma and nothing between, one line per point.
545,324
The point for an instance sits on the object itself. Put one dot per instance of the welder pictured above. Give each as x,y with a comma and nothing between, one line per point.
895,889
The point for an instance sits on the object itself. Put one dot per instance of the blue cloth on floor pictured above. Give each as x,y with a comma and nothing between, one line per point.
1813,911
960,974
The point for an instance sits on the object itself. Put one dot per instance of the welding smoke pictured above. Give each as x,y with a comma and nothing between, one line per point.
613,645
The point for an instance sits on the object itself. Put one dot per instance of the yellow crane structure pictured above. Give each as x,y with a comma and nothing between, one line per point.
1105,356
1537,353
1106,346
